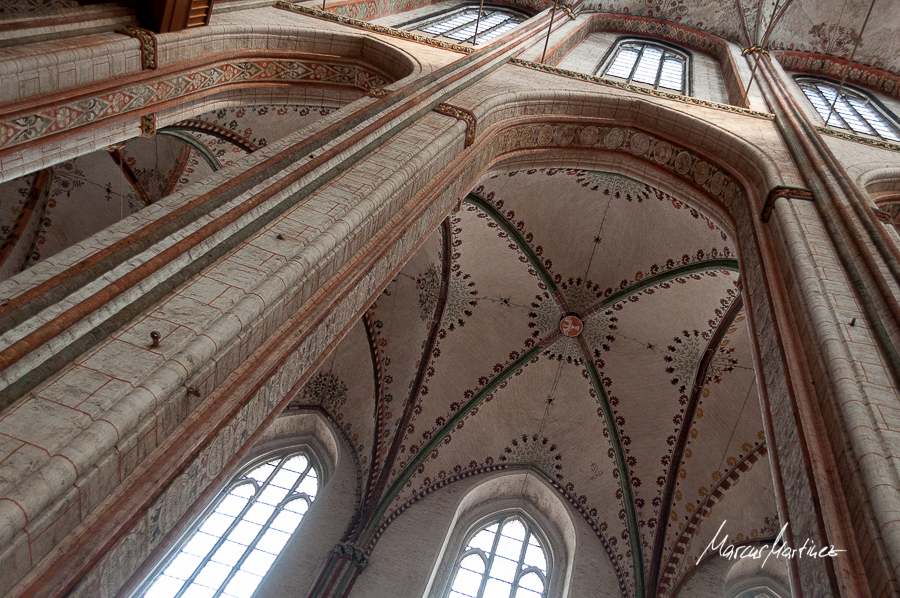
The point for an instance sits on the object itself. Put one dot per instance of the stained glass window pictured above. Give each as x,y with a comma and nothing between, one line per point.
460,26
236,542
852,110
503,559
650,64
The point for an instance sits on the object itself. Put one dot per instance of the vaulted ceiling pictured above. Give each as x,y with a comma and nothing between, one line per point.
642,422
82,196
828,27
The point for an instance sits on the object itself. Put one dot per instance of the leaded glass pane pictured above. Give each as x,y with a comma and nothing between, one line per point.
235,545
461,27
484,25
484,539
624,62
850,111
496,32
467,582
531,581
649,64
452,23
534,556
672,76
510,553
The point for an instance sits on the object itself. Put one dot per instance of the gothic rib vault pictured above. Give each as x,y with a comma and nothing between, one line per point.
504,390
331,221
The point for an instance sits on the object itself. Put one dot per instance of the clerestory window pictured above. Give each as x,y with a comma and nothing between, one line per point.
504,558
649,64
853,110
461,26
235,543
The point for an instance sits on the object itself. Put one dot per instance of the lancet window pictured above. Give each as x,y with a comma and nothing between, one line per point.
232,547
504,558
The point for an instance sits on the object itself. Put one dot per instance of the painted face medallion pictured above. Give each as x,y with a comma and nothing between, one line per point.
571,326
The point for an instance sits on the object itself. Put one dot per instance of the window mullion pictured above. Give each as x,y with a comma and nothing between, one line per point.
222,539
455,29
490,563
515,585
659,69
637,64
483,33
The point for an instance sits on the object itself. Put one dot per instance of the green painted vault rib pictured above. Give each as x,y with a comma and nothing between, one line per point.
425,452
516,238
634,534
194,144
727,265
614,440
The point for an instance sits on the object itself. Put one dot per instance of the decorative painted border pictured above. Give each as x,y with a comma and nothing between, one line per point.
63,117
377,358
462,114
684,164
894,147
681,35
375,9
217,131
649,92
872,78
786,192
715,495
406,35
148,45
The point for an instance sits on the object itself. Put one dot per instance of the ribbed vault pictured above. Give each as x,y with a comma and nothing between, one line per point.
642,422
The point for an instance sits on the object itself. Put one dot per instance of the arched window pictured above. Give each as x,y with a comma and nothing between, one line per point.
853,110
459,25
235,543
504,558
647,63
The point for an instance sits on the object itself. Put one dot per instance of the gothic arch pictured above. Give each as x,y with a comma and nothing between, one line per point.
250,70
528,494
472,499
532,136
308,429
709,138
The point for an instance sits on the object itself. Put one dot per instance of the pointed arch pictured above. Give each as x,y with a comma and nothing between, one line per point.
504,497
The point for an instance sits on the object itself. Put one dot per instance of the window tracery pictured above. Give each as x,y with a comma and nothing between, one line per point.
235,543
504,558
853,110
460,25
647,63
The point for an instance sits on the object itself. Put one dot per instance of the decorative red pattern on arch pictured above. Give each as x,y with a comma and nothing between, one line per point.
715,495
